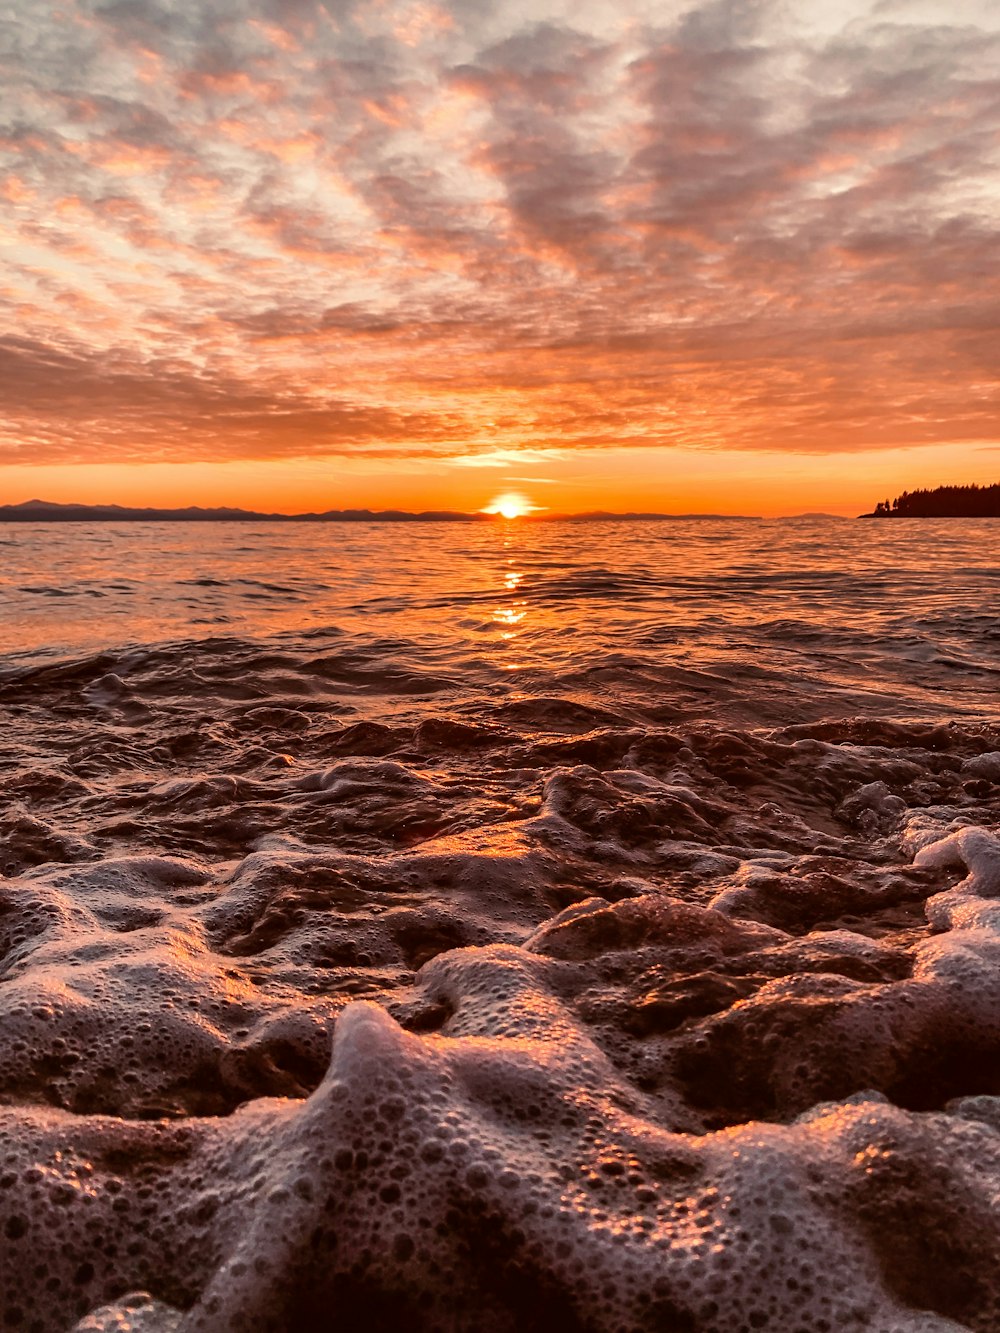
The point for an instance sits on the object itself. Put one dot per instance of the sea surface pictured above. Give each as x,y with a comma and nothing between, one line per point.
509,926
797,615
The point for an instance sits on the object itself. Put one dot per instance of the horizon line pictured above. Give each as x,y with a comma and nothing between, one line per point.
36,510
70,511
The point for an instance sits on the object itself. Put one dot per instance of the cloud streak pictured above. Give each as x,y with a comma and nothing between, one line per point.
261,230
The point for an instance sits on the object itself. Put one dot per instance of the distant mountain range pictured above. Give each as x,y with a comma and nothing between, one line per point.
606,516
47,511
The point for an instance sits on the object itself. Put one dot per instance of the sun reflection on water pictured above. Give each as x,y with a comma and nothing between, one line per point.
510,615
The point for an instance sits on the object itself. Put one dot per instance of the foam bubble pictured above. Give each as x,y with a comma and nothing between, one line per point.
427,1020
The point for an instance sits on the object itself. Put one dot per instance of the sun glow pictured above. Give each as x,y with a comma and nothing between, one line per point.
512,504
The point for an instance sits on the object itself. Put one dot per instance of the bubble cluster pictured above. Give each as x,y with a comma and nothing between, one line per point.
520,1020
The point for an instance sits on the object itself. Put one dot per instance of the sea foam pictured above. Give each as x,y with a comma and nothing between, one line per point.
515,1018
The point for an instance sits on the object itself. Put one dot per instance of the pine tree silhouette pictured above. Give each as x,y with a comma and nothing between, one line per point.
944,502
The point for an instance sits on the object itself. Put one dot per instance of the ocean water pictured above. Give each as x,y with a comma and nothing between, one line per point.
791,617
500,927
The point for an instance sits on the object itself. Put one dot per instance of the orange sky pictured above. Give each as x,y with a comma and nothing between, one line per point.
393,253
664,481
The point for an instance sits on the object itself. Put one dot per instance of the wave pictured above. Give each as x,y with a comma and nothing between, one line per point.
335,987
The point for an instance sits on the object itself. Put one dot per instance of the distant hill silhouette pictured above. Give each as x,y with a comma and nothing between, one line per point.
47,511
943,502
607,516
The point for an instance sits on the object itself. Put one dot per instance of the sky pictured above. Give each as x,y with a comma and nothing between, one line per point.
740,256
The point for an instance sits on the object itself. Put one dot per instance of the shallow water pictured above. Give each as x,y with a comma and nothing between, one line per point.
640,879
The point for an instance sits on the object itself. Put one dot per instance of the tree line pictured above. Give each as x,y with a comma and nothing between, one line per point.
943,502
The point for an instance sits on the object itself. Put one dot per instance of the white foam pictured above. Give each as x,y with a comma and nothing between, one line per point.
467,1036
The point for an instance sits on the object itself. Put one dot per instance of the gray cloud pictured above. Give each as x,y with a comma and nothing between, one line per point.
138,410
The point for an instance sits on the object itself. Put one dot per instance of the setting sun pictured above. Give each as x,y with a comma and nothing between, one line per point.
510,505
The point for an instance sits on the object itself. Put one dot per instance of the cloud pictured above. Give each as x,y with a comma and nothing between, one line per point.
134,413
419,229
505,458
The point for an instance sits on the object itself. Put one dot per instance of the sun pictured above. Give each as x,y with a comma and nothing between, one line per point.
509,505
